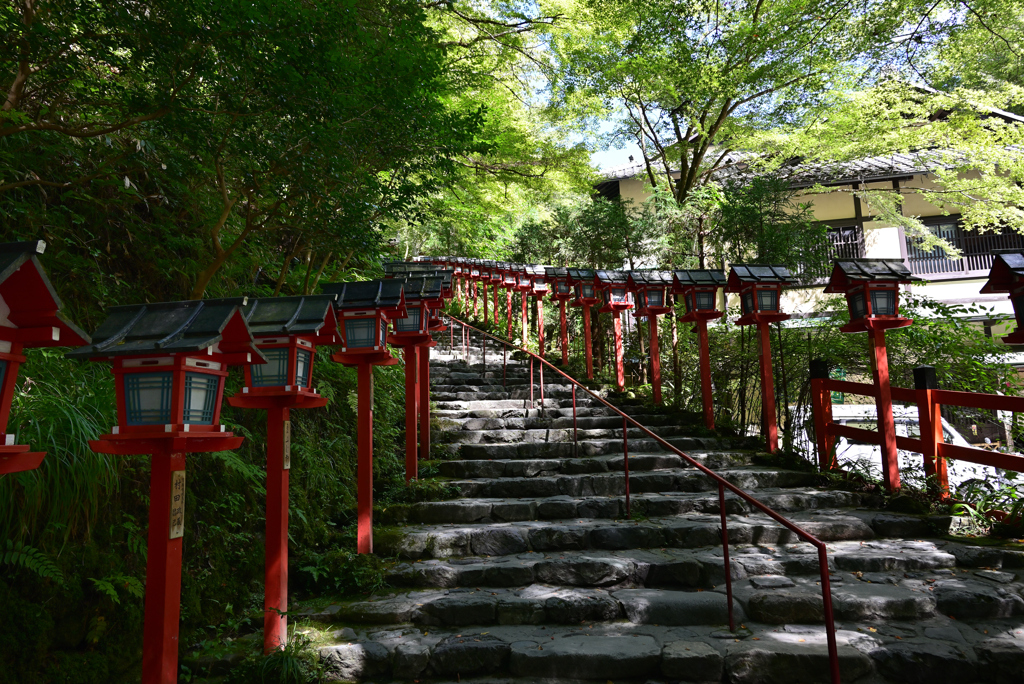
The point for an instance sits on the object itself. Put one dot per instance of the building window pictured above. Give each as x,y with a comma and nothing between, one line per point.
975,249
846,242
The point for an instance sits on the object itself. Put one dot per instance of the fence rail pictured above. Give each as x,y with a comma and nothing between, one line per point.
929,401
723,484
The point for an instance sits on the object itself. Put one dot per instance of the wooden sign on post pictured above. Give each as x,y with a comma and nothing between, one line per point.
177,504
287,444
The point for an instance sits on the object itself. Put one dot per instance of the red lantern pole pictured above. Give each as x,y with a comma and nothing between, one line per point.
495,288
523,298
655,359
163,568
275,623
565,333
508,312
540,326
364,487
620,377
485,302
705,374
768,387
412,394
883,404
424,403
587,343
476,300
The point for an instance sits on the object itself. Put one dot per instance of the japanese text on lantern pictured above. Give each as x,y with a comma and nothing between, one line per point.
177,504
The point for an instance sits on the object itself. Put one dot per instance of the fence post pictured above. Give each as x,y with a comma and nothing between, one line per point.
929,418
821,408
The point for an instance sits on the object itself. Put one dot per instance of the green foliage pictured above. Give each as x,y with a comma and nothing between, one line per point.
340,571
19,554
296,663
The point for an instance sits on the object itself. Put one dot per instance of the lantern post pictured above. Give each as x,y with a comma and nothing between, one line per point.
524,284
287,331
613,287
29,317
510,277
582,280
650,292
364,311
699,291
496,281
872,288
474,277
760,291
169,362
412,334
486,268
540,288
561,292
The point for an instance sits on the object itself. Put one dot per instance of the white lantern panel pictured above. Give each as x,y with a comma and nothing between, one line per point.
883,303
302,365
361,333
200,398
274,372
768,300
147,398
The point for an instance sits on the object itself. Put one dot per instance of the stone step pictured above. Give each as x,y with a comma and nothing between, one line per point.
692,530
469,393
638,462
879,561
934,649
595,447
493,404
516,419
553,435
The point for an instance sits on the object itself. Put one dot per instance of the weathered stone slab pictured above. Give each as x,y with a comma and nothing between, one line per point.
663,607
587,657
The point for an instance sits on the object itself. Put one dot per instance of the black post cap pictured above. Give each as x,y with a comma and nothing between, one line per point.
924,378
819,369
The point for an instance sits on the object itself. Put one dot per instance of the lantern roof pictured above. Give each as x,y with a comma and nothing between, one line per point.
1007,270
171,328
698,278
553,272
637,279
30,298
397,268
303,315
581,274
742,274
848,273
611,277
368,294
419,288
537,271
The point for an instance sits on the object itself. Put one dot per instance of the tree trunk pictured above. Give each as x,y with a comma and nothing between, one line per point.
287,265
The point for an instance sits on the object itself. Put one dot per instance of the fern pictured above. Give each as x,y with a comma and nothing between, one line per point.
32,559
109,584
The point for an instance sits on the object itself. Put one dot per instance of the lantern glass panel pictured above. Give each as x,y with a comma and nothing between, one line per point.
768,300
410,323
3,372
883,303
688,302
588,291
200,398
747,302
705,300
563,288
360,333
274,372
656,297
303,360
147,398
858,309
618,295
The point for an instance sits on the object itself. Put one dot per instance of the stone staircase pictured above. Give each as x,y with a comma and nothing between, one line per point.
536,574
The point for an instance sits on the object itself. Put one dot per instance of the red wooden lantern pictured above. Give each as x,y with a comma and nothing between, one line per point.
699,291
287,330
615,292
494,279
760,291
170,361
539,290
29,317
412,333
650,291
582,280
561,292
872,288
364,311
524,284
1007,275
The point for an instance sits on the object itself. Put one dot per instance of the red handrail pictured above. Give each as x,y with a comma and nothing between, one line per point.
723,484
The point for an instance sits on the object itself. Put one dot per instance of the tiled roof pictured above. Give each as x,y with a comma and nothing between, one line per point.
289,315
848,271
